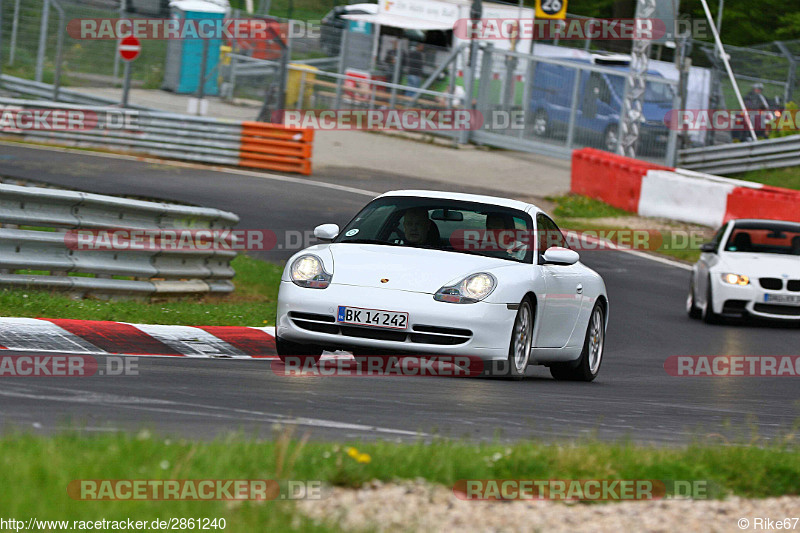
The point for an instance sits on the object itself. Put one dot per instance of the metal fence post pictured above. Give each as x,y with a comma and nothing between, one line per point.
42,40
398,60
485,81
672,139
1,37
201,90
530,71
62,27
342,61
300,103
232,76
14,26
574,111
791,75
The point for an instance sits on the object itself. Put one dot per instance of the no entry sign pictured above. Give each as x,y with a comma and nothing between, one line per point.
129,48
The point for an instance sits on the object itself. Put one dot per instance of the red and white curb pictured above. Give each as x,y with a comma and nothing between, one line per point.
103,337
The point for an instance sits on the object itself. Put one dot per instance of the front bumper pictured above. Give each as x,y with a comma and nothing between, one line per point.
733,300
437,328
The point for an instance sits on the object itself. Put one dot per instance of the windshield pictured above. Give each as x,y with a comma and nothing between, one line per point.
766,238
654,92
440,224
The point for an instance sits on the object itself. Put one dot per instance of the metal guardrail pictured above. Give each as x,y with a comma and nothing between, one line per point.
175,136
743,157
37,233
154,133
47,91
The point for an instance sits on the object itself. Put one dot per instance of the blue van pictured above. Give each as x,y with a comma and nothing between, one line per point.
599,106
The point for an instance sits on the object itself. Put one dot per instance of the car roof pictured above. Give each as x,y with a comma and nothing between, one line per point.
480,198
367,8
766,222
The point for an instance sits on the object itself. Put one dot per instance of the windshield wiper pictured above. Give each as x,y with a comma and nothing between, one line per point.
368,241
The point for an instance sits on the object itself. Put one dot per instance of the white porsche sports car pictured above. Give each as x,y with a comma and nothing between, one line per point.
442,274
751,267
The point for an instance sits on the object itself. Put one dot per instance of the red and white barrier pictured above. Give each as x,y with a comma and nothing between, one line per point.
102,337
677,194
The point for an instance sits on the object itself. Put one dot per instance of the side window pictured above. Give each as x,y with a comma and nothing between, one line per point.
548,234
605,92
597,88
718,237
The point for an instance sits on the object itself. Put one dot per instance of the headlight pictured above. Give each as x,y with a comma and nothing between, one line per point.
307,271
736,279
469,290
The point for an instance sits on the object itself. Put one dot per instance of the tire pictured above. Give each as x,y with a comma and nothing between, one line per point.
540,126
519,349
691,308
708,315
611,139
308,354
587,366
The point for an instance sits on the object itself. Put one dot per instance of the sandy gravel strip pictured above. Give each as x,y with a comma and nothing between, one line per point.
420,506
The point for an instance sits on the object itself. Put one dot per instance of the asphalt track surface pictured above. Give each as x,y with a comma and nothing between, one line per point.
633,397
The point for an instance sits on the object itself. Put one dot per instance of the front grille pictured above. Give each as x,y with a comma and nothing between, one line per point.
793,285
440,335
774,309
420,334
771,284
314,322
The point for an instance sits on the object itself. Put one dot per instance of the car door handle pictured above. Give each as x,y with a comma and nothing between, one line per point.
579,288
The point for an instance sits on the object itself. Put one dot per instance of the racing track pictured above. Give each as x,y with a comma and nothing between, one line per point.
633,395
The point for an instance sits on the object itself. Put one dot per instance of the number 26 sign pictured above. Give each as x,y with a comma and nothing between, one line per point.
551,9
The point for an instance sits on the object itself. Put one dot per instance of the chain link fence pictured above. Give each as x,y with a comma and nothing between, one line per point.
533,99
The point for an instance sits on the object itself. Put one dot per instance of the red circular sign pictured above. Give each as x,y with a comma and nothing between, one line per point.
129,48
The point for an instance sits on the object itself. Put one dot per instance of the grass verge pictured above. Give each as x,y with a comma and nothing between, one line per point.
677,244
253,303
37,470
577,206
788,178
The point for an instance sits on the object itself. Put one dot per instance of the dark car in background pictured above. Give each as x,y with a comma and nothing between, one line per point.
600,99
333,24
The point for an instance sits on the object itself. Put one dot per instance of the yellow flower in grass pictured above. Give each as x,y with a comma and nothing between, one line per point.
363,458
358,456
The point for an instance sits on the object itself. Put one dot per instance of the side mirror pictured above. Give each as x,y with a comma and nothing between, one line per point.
709,248
326,232
560,256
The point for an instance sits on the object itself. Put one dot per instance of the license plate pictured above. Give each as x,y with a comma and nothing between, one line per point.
372,317
786,299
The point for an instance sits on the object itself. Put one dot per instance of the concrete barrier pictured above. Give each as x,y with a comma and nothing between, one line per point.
677,194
